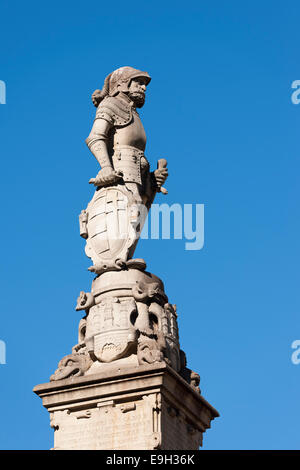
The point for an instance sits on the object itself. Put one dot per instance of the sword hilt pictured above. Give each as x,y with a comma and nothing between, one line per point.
162,163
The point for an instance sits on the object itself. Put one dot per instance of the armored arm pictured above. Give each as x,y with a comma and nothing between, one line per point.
97,141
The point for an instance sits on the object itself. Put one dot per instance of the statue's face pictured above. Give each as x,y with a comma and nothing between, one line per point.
137,89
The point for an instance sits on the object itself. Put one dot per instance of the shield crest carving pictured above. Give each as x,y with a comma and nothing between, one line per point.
110,333
109,226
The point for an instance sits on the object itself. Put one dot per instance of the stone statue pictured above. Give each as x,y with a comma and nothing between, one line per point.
128,318
124,183
118,139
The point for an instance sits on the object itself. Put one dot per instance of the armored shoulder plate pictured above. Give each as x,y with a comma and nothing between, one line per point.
115,111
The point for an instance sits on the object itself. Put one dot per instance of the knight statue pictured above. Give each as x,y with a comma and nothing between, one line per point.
128,318
118,142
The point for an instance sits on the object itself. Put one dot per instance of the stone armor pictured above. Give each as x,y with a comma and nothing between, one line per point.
118,124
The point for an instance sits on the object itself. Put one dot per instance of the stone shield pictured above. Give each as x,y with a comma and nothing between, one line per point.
109,332
110,226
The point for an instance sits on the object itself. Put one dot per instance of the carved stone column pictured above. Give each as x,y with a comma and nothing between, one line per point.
145,407
126,384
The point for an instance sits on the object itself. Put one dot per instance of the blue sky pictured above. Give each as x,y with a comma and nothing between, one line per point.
219,109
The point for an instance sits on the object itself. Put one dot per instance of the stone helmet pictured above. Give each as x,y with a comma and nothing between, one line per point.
122,77
117,81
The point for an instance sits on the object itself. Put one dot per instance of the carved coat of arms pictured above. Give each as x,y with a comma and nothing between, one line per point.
109,226
109,332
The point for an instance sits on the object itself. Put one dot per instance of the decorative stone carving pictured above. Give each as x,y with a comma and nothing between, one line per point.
110,333
143,293
128,323
84,414
77,363
128,407
172,335
85,301
73,364
189,375
110,228
151,349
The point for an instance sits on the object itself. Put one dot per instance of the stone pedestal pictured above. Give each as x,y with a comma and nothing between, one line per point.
135,408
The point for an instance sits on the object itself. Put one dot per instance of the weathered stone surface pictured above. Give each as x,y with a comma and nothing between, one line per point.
141,407
125,384
127,314
113,220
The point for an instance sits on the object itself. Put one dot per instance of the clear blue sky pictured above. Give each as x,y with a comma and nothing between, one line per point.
219,109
